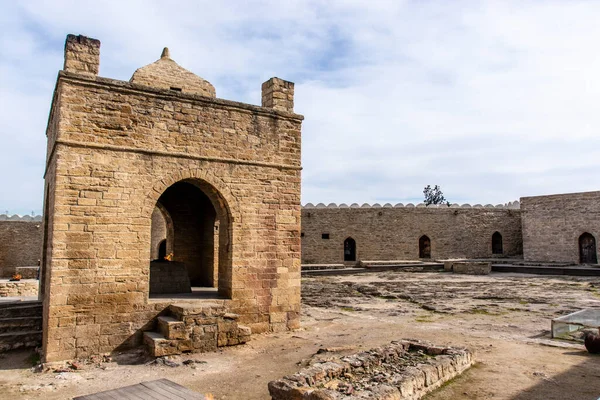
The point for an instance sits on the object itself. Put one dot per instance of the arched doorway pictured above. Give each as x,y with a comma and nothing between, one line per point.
197,238
424,247
162,249
587,249
349,249
497,243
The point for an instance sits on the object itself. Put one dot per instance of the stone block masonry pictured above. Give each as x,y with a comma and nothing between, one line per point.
114,149
24,287
553,225
402,370
20,245
468,268
394,233
82,55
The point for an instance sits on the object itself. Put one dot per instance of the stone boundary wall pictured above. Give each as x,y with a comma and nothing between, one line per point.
392,232
514,205
20,243
325,380
24,287
553,224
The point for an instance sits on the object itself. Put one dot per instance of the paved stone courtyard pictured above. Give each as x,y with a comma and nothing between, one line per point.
503,318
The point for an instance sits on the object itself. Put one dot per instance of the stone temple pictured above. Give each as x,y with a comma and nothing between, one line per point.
225,176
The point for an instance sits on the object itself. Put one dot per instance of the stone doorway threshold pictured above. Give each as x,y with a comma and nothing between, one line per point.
198,293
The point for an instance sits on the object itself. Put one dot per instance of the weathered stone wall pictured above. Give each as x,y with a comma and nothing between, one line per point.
20,244
24,287
553,224
392,233
116,149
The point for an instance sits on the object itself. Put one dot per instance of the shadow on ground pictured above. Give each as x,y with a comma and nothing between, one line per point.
557,387
19,359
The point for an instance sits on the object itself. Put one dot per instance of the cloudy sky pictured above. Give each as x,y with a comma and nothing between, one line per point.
490,100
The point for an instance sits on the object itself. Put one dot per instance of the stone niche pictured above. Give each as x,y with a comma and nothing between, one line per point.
224,176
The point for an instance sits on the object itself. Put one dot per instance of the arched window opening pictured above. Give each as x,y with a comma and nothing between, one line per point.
497,243
587,249
191,242
162,250
349,249
424,247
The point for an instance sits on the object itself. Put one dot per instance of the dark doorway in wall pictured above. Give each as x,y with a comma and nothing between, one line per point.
497,243
424,247
162,249
349,249
587,249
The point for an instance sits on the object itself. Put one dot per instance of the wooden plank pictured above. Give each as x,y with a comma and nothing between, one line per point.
165,390
130,393
182,390
97,396
146,393
161,389
172,391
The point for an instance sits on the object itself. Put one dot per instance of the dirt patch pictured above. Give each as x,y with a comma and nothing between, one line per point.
504,318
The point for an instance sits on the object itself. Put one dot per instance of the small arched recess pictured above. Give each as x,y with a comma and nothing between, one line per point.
587,249
497,247
349,249
424,247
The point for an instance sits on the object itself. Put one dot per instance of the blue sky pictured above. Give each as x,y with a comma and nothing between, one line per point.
490,100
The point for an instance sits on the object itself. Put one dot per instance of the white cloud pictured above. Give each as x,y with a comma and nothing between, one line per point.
490,101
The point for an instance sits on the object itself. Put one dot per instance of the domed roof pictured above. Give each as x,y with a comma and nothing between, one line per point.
167,74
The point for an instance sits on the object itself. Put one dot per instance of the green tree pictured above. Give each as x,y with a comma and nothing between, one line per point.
434,196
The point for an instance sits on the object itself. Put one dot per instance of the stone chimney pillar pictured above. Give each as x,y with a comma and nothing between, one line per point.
278,95
82,55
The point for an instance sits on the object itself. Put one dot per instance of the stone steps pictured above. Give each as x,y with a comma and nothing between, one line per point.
195,329
171,328
20,325
160,346
21,309
15,340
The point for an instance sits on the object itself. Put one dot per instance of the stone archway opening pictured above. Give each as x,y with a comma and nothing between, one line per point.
193,243
424,247
587,249
349,249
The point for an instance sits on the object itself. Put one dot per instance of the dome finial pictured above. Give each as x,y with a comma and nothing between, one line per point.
165,53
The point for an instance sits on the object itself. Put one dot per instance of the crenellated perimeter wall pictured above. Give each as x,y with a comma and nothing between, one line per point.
20,242
392,232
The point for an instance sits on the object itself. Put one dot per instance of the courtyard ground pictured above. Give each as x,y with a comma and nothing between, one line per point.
504,318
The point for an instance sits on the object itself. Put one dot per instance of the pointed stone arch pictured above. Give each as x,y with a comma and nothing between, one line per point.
217,250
